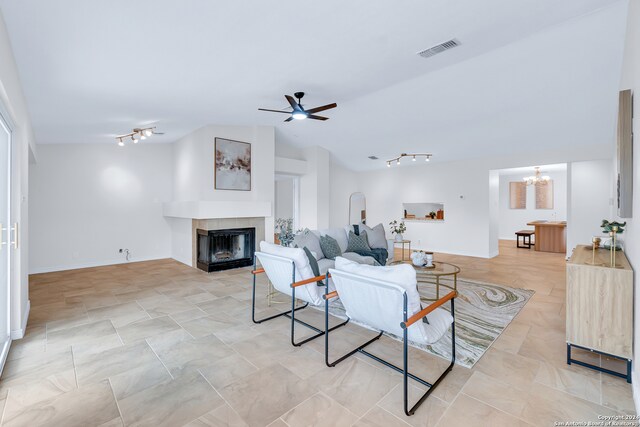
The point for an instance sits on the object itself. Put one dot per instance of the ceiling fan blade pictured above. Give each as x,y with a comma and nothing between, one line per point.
274,111
311,116
289,119
324,107
292,102
157,133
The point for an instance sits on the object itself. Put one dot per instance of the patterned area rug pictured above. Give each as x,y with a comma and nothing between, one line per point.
483,311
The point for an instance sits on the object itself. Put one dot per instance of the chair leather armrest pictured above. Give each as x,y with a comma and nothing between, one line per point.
258,271
307,281
419,315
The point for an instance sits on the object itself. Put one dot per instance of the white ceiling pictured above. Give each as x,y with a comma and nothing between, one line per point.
541,73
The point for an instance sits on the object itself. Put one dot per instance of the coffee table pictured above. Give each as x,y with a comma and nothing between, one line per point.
433,276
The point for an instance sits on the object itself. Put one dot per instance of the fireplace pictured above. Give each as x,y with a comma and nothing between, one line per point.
224,249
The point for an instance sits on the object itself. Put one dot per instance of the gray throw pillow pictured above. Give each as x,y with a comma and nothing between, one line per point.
313,263
330,247
376,236
309,240
358,243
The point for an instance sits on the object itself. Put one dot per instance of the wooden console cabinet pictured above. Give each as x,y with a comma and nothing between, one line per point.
600,306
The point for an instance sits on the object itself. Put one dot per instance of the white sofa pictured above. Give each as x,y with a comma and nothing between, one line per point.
341,235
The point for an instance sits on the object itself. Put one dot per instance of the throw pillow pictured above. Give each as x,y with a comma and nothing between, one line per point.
311,241
313,263
358,243
330,247
376,235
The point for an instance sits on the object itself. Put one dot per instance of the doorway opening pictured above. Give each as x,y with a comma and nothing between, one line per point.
287,198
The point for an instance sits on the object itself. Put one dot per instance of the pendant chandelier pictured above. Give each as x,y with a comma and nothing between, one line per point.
538,178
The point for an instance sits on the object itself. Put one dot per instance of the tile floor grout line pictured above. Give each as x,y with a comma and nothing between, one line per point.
4,408
219,394
519,417
158,357
115,399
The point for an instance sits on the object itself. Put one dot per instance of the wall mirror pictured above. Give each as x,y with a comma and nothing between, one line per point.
423,211
357,208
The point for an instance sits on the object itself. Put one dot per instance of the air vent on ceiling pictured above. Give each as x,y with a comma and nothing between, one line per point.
374,157
434,50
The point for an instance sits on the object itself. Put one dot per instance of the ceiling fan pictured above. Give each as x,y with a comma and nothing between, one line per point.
298,112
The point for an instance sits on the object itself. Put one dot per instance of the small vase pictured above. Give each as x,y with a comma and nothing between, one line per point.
399,237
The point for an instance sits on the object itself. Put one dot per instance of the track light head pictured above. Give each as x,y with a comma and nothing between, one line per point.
134,139
120,143
147,132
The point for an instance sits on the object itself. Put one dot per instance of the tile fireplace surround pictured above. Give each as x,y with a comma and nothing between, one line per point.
224,224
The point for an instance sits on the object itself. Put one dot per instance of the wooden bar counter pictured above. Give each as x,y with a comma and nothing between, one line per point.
551,236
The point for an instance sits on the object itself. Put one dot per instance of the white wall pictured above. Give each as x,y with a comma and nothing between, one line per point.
631,80
343,183
12,98
193,174
590,200
90,200
512,220
284,198
465,228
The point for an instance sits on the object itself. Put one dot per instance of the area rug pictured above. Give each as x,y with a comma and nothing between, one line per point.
483,311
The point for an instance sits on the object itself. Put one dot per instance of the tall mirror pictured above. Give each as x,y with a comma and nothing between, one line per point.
357,208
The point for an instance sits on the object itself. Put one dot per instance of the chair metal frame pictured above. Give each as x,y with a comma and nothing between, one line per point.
290,313
408,321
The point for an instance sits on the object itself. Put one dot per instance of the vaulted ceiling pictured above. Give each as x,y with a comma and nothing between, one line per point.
535,73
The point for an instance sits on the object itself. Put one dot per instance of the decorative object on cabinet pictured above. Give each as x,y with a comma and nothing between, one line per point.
599,313
232,163
613,229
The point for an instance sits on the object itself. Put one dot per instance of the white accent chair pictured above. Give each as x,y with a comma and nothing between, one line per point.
386,299
289,271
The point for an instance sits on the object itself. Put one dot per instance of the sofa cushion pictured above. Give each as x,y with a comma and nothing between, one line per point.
309,240
330,247
358,243
360,259
376,236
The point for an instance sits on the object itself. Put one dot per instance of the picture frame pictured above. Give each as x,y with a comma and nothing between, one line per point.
232,165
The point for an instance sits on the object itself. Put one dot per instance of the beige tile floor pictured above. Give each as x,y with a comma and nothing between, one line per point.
161,344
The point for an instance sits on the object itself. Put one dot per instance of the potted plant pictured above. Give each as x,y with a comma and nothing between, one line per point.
398,228
432,215
613,228
284,228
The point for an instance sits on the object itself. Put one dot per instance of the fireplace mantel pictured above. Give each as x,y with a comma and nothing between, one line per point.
216,210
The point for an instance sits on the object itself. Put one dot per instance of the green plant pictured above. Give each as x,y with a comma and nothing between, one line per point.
608,227
432,214
397,227
284,228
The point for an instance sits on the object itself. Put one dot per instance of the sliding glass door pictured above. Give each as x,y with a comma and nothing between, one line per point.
6,236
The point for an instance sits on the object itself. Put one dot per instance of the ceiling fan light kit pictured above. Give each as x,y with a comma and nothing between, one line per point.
136,135
414,156
297,110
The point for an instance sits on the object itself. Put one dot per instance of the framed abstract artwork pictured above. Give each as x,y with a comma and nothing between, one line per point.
232,165
544,195
517,195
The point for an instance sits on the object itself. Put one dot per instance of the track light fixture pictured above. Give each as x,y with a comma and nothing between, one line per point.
414,156
136,135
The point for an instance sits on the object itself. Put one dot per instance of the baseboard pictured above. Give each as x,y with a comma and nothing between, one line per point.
635,387
103,263
4,353
16,334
